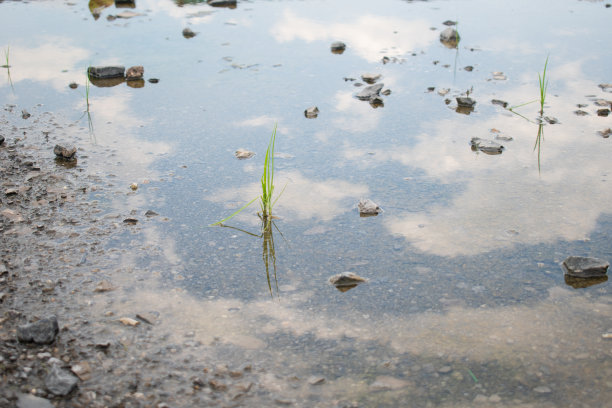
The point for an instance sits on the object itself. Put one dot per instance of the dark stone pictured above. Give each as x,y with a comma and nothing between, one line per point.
338,47
465,102
31,401
151,213
64,153
222,3
106,72
449,23
1,139
584,267
42,331
135,72
369,92
551,120
603,112
60,381
25,114
130,221
499,102
153,80
469,68
188,33
73,85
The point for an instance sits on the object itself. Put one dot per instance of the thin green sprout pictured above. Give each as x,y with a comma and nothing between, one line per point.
543,87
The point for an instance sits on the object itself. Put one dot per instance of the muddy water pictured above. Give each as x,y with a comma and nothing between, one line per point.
465,301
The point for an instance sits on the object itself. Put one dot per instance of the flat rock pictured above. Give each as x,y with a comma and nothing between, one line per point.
338,47
369,92
486,146
311,112
370,78
243,154
135,72
346,279
384,382
31,401
60,381
128,321
465,102
104,286
222,3
106,72
584,267
82,370
42,331
368,207
64,153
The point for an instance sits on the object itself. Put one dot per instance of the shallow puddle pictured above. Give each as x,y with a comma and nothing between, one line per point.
465,302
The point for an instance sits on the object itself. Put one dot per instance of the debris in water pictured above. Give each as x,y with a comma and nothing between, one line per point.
188,33
486,146
243,154
338,47
311,112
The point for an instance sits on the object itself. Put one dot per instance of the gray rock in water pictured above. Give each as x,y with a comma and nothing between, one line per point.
64,153
106,72
369,92
188,33
486,146
311,112
583,267
243,154
1,139
465,102
370,78
25,114
135,72
30,401
40,332
338,47
60,381
346,279
449,37
368,207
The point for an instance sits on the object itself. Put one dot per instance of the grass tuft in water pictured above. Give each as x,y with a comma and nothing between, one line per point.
543,87
267,188
6,57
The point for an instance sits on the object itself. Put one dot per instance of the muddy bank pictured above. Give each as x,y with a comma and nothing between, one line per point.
57,260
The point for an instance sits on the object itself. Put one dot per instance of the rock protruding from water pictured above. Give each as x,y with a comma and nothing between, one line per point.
42,331
486,146
450,38
465,102
106,72
346,281
311,112
60,381
188,33
584,267
368,208
370,78
338,47
134,73
243,154
222,3
370,92
65,153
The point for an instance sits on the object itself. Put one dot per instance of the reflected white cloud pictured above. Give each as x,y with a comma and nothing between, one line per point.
41,63
367,36
505,200
358,116
302,198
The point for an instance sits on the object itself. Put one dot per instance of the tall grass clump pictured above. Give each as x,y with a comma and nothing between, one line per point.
267,201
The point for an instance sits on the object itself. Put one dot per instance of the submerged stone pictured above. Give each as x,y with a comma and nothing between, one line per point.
486,146
31,401
222,3
585,267
42,331
106,72
188,33
499,102
368,208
